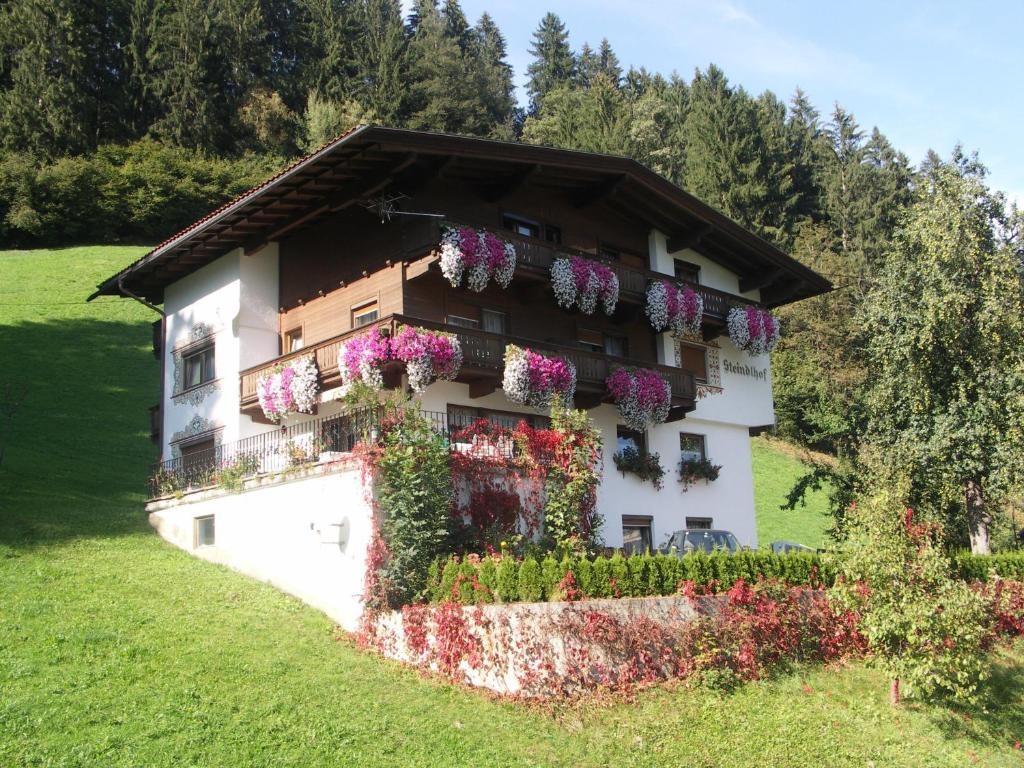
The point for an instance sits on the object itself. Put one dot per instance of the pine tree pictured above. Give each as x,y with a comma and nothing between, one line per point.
494,74
608,63
60,63
588,64
553,62
381,59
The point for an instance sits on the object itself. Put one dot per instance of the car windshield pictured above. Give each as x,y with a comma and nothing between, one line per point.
709,541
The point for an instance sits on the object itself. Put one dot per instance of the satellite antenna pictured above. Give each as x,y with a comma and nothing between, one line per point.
384,206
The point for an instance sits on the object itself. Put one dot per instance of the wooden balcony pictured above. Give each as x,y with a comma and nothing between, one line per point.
483,365
533,265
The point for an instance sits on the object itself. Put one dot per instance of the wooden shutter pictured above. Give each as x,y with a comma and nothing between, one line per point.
695,360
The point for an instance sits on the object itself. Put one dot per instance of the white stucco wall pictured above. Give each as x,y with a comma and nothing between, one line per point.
307,537
236,297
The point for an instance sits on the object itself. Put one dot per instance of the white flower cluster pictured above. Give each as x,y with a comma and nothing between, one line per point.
516,381
678,310
304,383
289,388
476,256
566,276
755,331
657,305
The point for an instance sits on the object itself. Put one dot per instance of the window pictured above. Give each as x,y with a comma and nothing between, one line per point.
694,359
590,339
686,271
364,314
204,532
520,226
616,345
493,321
197,452
293,340
691,447
609,253
700,523
553,234
463,315
199,367
636,534
629,438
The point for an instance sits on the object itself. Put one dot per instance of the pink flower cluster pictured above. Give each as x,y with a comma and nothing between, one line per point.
753,330
582,283
428,356
477,256
362,359
642,395
534,379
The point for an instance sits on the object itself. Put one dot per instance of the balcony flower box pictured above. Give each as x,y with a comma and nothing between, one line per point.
289,388
642,395
679,310
535,379
429,356
476,257
580,283
361,359
754,330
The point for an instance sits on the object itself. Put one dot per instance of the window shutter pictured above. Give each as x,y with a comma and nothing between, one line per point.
694,359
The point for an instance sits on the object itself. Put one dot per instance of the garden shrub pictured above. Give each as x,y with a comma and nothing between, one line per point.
508,580
550,576
530,590
1006,565
618,576
600,578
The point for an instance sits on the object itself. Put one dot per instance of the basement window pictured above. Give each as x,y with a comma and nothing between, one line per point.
636,534
204,531
700,523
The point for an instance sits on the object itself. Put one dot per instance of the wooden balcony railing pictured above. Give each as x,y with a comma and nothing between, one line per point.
483,358
535,257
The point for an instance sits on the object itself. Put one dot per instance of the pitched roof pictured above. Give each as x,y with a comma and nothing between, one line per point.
368,159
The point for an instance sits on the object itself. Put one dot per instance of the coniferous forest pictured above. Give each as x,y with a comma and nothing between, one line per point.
124,120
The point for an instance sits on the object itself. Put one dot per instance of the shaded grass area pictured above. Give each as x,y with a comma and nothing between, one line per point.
117,649
776,470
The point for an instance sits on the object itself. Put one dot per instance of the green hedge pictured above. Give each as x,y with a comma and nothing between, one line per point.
528,580
1008,565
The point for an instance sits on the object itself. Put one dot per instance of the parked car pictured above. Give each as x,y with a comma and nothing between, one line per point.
707,540
785,547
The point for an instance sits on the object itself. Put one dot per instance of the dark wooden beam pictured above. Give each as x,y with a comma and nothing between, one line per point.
689,240
759,280
495,192
588,400
482,387
595,193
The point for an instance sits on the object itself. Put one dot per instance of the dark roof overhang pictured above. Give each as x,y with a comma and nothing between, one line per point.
369,160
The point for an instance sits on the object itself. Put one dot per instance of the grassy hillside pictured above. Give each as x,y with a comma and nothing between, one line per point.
117,649
776,469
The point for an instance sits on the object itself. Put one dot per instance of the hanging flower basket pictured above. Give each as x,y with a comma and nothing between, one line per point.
429,356
642,395
362,359
755,331
476,256
290,388
534,379
580,283
678,310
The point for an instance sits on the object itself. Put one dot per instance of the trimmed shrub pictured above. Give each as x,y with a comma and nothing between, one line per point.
530,590
618,576
508,580
600,579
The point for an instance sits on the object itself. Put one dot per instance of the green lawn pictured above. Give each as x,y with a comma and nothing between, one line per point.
117,649
775,472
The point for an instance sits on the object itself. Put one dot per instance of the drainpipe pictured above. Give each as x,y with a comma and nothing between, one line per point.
163,352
